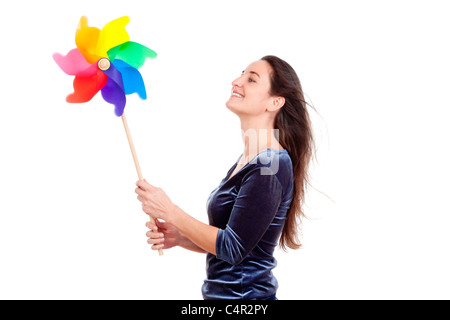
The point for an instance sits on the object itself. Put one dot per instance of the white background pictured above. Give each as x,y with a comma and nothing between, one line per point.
378,73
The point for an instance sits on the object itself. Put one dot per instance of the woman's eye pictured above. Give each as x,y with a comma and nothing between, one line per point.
251,80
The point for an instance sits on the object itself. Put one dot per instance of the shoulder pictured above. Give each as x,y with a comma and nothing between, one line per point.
275,160
275,163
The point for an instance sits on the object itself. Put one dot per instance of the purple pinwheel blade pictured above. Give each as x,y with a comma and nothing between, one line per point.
114,94
114,74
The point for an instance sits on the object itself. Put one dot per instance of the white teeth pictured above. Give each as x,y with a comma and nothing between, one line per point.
237,95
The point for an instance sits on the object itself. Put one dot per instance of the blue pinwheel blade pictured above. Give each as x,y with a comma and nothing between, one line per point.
132,79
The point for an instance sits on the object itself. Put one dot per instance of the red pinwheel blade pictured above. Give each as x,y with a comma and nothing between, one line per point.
87,87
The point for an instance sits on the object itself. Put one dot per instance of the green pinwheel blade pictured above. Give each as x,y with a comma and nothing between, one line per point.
132,53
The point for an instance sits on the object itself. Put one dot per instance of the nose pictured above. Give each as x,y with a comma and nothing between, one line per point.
238,82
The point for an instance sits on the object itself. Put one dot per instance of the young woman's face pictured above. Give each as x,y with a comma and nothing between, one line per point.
250,94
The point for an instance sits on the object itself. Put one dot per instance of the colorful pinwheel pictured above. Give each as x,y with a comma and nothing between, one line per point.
105,60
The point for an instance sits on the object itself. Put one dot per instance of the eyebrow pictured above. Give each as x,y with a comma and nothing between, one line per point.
253,72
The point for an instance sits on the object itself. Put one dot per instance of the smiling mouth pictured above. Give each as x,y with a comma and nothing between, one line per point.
236,94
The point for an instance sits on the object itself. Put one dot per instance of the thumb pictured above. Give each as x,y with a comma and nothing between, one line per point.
159,224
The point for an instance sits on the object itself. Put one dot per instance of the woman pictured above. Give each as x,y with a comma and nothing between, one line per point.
259,202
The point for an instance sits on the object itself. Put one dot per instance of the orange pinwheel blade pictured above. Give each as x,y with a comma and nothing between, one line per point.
94,43
86,39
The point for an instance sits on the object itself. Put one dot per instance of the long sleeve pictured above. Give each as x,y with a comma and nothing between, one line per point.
256,205
249,209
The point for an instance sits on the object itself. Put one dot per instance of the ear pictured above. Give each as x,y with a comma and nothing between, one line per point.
276,103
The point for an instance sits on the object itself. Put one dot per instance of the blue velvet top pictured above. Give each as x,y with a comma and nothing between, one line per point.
249,209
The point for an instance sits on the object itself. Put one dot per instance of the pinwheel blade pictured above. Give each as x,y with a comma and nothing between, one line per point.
86,39
85,88
112,35
132,53
114,94
114,74
73,63
132,79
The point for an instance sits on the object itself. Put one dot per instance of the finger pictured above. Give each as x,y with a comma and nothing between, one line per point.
139,191
144,185
155,241
151,226
158,246
141,199
154,235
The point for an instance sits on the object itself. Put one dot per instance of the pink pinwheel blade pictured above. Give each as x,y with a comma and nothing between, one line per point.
73,63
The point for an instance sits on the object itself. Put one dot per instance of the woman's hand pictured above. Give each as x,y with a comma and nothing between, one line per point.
154,200
193,234
163,235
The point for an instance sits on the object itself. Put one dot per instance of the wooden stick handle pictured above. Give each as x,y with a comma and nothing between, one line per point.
136,161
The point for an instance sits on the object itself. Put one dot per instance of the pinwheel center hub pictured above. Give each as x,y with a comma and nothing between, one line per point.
104,64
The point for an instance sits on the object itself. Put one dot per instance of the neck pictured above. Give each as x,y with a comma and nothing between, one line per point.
258,136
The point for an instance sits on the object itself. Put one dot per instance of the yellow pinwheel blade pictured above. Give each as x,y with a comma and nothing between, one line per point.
112,35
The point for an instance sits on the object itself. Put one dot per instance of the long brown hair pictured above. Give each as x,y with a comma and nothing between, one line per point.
296,136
